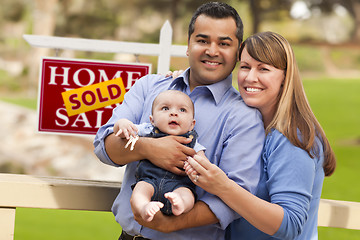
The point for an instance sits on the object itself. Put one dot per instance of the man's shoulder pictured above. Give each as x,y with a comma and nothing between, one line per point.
153,83
155,79
234,99
233,94
237,111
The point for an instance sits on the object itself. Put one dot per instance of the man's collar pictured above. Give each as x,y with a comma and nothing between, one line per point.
217,90
181,81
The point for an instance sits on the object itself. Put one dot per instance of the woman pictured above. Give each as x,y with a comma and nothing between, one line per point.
296,154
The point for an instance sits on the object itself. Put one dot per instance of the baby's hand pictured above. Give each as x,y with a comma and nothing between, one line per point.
124,128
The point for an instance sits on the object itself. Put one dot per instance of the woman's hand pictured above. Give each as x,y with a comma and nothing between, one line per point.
265,216
174,74
206,175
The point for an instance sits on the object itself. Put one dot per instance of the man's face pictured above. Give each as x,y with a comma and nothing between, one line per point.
212,50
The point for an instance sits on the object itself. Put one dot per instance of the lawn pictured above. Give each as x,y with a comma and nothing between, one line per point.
44,224
335,102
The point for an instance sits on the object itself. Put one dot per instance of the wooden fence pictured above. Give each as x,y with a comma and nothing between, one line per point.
24,191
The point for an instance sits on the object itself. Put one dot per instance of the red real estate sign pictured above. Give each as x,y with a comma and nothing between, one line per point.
85,82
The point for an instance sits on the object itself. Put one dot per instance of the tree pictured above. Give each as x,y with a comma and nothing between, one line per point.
262,10
352,6
87,19
43,24
175,10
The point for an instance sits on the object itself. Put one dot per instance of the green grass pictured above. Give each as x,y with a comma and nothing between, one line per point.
335,102
336,105
25,102
41,224
309,58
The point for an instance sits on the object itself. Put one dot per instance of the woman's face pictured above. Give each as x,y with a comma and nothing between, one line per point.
259,84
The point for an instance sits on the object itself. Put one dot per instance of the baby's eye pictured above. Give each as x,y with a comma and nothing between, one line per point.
182,110
164,108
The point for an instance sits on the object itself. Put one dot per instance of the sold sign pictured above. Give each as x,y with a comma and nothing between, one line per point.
77,96
93,97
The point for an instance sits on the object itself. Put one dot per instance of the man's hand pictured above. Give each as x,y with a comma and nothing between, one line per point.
200,215
168,152
160,222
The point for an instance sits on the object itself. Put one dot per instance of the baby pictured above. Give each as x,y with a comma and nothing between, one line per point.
155,188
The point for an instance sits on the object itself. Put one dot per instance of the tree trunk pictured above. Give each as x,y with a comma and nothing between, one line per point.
176,21
255,12
356,7
44,24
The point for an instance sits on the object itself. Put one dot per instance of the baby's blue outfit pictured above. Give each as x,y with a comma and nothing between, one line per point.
162,180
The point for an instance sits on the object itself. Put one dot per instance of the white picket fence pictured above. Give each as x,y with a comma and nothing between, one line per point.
164,50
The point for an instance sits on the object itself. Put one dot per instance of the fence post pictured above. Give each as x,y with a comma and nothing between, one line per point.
165,48
7,223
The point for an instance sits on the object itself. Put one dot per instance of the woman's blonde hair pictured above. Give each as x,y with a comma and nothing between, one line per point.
293,116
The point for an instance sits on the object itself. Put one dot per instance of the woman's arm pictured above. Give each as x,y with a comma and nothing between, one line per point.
265,216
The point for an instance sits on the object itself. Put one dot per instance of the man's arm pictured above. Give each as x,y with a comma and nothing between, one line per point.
199,215
168,152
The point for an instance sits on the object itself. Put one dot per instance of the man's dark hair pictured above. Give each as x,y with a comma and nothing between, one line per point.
218,10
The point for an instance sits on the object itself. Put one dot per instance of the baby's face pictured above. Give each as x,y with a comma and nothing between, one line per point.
173,113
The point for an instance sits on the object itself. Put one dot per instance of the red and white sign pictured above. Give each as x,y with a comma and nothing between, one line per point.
90,84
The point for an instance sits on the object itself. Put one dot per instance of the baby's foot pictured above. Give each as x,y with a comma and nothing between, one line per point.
150,210
177,203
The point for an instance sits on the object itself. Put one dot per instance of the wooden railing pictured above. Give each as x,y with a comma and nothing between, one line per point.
24,191
62,193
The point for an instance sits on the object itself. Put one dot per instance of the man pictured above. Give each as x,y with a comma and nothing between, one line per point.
232,133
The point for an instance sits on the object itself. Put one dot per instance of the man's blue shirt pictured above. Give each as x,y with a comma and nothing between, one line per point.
231,132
